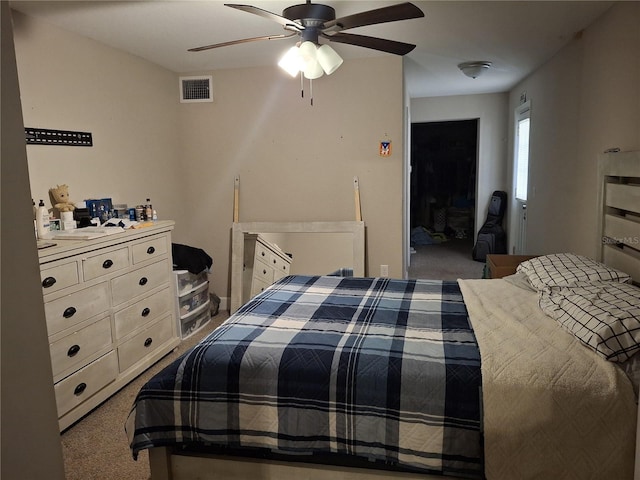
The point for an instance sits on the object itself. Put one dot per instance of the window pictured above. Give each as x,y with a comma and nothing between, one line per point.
522,151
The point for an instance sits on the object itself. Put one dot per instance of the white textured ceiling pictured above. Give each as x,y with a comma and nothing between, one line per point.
517,36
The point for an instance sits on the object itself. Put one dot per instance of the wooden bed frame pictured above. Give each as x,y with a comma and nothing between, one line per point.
619,225
619,247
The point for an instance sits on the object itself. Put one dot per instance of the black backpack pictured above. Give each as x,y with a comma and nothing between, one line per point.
491,236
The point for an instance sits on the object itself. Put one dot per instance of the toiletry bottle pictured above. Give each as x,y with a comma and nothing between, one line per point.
148,210
42,220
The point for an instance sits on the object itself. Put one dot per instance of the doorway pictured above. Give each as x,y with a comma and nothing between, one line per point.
443,187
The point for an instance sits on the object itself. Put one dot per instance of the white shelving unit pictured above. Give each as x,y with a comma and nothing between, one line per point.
192,304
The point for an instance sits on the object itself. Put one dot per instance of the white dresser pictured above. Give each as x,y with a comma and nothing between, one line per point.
264,263
109,305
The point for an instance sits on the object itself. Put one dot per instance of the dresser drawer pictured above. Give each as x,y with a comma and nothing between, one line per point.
65,312
105,263
280,266
145,342
75,349
258,286
152,248
76,388
139,282
144,311
262,252
263,272
58,277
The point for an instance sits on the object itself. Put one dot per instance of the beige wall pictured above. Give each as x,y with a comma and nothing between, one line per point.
30,436
296,161
583,101
492,114
69,82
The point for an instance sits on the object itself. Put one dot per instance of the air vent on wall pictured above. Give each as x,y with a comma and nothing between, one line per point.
196,89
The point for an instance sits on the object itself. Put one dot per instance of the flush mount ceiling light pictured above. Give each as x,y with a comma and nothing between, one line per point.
474,69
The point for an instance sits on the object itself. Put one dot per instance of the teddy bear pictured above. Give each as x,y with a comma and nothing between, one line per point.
59,197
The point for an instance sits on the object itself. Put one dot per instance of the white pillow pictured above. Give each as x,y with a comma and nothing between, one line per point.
604,316
565,269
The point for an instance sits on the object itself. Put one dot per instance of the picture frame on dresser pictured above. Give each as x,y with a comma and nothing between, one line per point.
110,310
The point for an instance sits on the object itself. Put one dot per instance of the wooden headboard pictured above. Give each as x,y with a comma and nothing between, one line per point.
619,204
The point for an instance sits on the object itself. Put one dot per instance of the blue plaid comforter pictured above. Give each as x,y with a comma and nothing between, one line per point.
385,370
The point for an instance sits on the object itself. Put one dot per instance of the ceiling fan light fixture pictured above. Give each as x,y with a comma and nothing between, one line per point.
308,52
474,69
310,66
291,61
328,59
312,70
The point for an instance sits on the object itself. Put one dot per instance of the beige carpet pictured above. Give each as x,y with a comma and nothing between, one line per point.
96,447
449,260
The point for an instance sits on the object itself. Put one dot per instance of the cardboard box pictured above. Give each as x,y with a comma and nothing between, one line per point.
504,265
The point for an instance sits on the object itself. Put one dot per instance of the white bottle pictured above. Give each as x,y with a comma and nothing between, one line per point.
42,220
148,210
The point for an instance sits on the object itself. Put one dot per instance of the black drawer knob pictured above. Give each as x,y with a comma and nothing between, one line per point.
143,281
264,272
262,253
274,261
146,311
80,388
48,282
107,263
151,250
69,312
73,350
148,342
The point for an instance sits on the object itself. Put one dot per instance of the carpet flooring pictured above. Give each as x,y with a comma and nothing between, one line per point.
448,260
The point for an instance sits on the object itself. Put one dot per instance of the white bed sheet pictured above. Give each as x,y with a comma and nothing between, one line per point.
552,408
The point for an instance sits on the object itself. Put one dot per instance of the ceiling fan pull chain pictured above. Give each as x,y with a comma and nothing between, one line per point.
311,90
301,84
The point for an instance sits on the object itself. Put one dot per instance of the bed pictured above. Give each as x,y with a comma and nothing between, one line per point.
322,377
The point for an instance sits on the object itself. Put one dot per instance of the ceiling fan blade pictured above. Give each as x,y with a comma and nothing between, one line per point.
393,13
243,40
285,22
384,45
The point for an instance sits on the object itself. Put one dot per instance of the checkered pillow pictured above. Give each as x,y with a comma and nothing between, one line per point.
566,269
604,316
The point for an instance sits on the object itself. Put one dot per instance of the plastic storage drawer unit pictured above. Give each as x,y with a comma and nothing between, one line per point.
193,302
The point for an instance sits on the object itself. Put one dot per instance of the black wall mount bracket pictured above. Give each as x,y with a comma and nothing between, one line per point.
42,136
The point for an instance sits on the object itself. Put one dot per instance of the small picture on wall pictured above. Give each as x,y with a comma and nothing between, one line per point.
385,148
54,224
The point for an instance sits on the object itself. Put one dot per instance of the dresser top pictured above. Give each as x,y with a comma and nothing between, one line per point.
65,248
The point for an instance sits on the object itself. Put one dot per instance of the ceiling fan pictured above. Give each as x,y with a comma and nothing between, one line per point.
311,21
